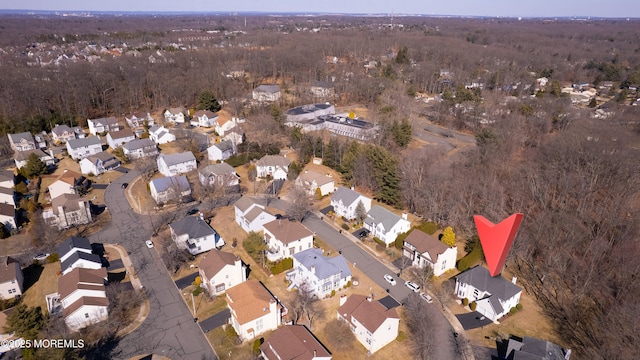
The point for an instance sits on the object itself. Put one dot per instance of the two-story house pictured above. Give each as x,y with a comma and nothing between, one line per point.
160,135
140,148
76,252
221,271
62,134
267,93
251,215
11,278
236,135
386,225
174,115
168,189
65,184
67,210
293,342
254,310
219,175
195,235
425,250
22,141
102,125
494,295
204,118
318,274
275,166
118,138
22,157
174,164
221,151
345,202
314,182
284,238
371,322
98,163
83,297
81,148
138,119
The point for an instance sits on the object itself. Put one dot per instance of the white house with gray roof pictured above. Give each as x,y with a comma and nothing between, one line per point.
275,166
317,273
160,135
118,138
174,164
195,235
267,93
63,133
218,175
138,119
76,252
22,141
174,115
251,215
172,188
101,125
140,148
314,182
204,118
22,157
494,295
386,225
345,201
67,210
81,148
99,163
221,151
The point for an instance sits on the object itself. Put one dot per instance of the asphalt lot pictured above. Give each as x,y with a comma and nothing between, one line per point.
186,281
215,320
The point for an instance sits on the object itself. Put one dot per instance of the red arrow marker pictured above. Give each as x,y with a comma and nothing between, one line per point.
496,239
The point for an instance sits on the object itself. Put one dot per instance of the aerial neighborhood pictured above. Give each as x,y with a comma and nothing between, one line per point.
226,188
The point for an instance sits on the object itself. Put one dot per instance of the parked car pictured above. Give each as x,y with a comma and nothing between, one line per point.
124,186
149,244
426,298
390,279
192,211
41,257
413,286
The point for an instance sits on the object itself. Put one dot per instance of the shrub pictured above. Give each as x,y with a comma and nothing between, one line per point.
379,241
472,306
428,227
231,332
53,258
197,281
198,291
401,336
345,226
513,310
256,345
400,240
349,283
519,307
281,266
465,302
333,293
470,259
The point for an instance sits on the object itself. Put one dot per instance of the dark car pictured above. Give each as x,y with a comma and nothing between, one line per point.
124,186
192,211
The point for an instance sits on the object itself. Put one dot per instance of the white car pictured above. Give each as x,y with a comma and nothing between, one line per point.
390,279
149,244
41,257
413,286
426,298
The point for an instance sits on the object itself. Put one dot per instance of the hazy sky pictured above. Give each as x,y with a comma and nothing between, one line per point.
511,8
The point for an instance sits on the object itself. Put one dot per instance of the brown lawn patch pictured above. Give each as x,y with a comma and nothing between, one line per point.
43,280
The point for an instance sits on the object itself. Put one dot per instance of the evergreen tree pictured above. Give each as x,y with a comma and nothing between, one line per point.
361,212
34,167
207,101
25,322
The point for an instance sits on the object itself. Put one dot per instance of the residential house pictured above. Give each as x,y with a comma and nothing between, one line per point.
81,148
204,118
65,183
254,310
221,151
8,216
293,342
67,210
119,138
220,271
251,215
99,163
494,295
224,125
371,322
103,125
22,157
174,115
195,235
267,93
76,252
219,175
529,348
284,238
167,189
138,119
140,148
323,89
160,135
275,166
83,297
22,141
316,183
236,135
7,196
62,134
345,201
174,164
11,279
425,250
318,274
7,178
386,225
40,141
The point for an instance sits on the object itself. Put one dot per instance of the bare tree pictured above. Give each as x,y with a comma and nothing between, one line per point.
306,305
301,203
422,276
147,166
420,325
340,337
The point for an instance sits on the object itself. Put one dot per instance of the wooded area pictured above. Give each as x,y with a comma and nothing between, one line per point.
574,176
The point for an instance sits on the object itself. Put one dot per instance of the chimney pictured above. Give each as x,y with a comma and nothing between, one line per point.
313,269
404,216
513,279
314,354
353,188
343,299
369,298
201,216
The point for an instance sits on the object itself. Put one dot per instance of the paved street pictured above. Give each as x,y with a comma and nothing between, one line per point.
169,328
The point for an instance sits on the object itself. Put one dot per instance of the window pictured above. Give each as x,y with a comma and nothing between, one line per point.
444,265
259,325
219,288
475,293
86,315
13,281
292,251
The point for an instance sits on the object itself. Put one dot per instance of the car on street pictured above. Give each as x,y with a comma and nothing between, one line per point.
413,286
41,257
426,298
149,244
124,186
390,279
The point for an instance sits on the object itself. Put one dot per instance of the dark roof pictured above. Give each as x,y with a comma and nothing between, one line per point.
529,348
305,109
497,286
79,255
121,134
6,174
7,209
194,226
72,243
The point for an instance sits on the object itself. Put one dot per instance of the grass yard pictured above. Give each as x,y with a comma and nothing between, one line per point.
40,281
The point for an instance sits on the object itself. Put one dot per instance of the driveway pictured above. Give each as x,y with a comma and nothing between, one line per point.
169,328
473,320
186,281
215,320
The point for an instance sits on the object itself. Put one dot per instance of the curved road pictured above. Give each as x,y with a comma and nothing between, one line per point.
169,329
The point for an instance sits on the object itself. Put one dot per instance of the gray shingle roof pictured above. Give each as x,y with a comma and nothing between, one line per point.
164,183
497,286
347,196
79,255
24,155
217,169
179,158
105,121
138,144
268,89
16,138
378,214
224,145
324,266
273,160
245,202
60,129
73,242
80,143
193,226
